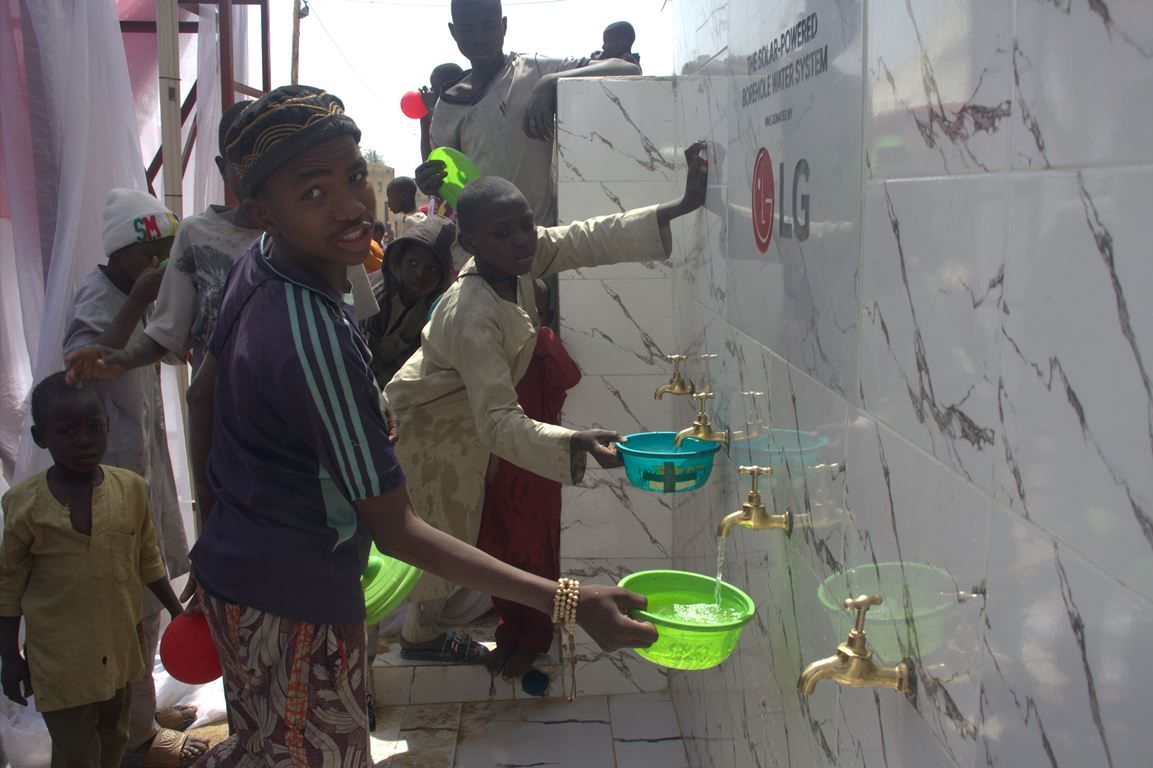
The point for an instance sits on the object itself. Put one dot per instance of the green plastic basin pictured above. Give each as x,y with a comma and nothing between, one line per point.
654,463
460,171
930,591
386,581
683,644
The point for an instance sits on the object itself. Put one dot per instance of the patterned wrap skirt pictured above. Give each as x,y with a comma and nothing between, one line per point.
296,691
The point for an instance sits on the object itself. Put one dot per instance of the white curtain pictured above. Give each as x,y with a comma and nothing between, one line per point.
202,184
68,136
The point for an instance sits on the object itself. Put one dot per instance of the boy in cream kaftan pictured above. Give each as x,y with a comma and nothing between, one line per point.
456,398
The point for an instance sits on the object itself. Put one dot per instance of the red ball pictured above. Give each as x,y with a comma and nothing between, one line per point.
412,105
187,650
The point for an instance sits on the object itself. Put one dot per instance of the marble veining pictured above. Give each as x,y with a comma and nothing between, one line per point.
945,297
956,114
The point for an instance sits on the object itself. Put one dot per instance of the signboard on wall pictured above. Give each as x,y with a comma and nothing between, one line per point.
795,162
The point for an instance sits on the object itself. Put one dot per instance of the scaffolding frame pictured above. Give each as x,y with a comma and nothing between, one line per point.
174,115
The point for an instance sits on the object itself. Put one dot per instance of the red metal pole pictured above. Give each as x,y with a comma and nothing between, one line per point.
265,47
227,79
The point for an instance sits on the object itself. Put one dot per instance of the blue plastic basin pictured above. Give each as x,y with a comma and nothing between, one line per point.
653,463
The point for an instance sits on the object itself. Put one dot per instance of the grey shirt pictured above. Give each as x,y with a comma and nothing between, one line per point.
137,439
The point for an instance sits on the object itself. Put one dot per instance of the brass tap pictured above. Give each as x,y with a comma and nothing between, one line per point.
853,665
752,513
701,428
676,385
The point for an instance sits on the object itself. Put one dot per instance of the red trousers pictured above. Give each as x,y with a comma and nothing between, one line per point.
521,526
521,522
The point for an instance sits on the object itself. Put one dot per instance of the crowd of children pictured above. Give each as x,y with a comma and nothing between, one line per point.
297,357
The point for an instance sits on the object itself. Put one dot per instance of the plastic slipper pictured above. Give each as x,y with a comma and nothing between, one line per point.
166,750
457,648
178,718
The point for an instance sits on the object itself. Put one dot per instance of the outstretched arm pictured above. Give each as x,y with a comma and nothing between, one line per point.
118,349
696,185
398,532
540,114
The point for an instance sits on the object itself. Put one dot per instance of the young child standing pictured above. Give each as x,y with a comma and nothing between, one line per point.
521,521
108,310
401,193
304,472
455,400
78,546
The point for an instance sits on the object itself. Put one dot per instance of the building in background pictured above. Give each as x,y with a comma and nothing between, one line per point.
379,174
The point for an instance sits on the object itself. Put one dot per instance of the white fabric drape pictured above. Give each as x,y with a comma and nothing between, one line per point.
203,184
68,96
68,137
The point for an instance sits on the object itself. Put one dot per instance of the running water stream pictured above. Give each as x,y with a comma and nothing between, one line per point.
721,542
703,613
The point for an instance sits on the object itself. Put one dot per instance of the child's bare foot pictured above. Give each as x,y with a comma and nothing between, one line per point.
496,659
519,662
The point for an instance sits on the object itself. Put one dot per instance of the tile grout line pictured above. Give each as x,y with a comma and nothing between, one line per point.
612,730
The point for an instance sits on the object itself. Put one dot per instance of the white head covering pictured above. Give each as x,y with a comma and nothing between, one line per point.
135,217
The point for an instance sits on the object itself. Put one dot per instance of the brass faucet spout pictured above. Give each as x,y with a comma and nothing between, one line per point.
853,665
730,521
687,432
825,669
677,385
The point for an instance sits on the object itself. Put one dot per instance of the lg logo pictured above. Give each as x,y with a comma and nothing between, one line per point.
765,194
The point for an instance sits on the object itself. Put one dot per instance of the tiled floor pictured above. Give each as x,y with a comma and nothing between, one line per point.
620,731
397,682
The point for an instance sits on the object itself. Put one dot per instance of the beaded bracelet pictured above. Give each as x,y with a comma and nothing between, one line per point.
564,608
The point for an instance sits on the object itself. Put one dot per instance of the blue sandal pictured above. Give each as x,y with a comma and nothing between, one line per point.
457,648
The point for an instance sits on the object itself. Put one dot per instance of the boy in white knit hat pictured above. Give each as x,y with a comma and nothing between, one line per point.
110,308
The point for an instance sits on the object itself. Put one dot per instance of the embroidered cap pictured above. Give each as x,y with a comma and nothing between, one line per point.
280,125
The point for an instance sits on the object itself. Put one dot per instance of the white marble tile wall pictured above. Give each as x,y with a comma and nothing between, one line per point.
964,331
617,150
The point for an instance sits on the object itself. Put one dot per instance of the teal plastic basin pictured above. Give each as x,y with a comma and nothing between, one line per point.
688,644
386,582
653,463
930,591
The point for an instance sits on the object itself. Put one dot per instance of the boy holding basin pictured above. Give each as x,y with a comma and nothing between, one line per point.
301,462
455,400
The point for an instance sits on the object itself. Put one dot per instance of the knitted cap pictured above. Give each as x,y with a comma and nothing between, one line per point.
135,217
280,125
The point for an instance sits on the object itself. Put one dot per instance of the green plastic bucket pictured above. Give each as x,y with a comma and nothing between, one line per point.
683,644
654,463
931,590
386,581
460,171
